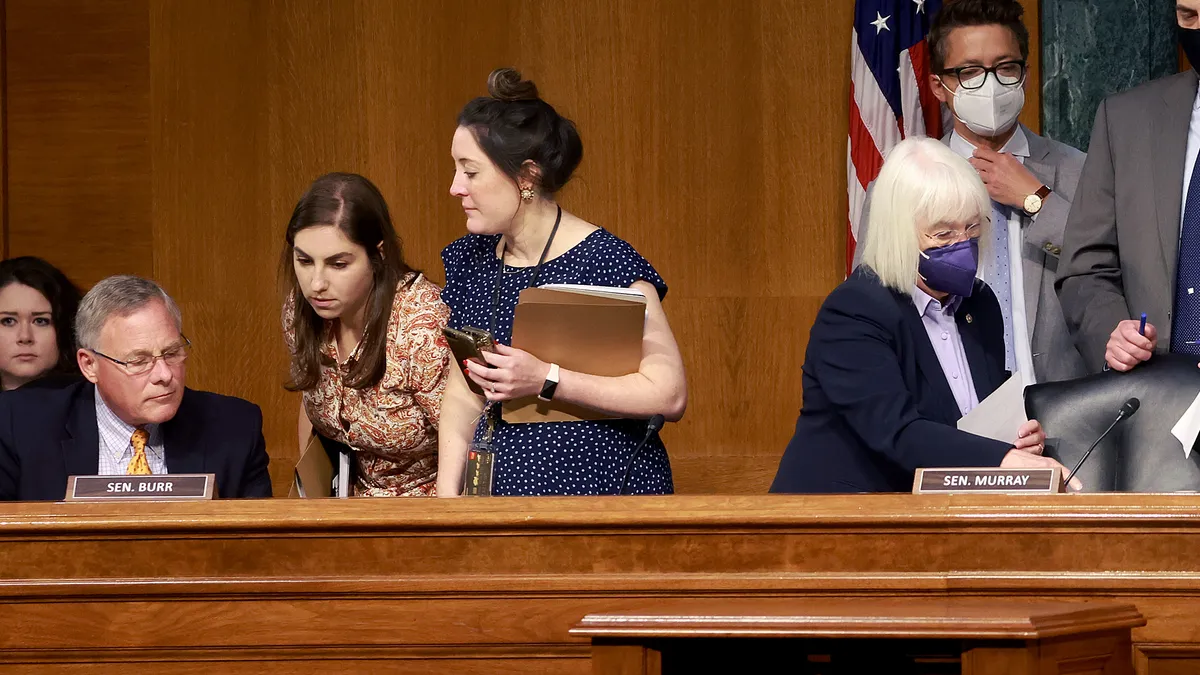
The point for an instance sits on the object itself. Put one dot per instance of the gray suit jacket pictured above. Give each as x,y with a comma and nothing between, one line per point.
1057,166
1122,239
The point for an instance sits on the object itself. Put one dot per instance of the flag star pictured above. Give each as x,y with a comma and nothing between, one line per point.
920,6
880,23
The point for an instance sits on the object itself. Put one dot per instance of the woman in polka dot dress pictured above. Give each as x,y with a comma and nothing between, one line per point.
512,153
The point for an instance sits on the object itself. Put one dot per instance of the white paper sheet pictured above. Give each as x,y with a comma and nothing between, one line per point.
343,475
1188,427
1000,415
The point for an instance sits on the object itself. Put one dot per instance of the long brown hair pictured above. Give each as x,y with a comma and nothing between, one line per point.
355,206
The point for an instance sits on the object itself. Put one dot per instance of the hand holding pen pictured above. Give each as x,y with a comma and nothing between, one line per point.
1130,343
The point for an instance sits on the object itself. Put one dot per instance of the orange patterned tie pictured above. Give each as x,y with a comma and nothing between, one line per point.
138,466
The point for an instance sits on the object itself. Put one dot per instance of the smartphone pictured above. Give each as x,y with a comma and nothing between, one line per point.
469,345
483,339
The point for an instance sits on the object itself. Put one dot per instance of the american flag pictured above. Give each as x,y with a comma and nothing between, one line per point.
890,98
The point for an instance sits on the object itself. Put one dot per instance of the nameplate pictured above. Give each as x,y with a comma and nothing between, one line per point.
1006,481
164,488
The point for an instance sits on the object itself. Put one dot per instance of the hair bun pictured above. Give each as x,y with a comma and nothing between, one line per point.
506,84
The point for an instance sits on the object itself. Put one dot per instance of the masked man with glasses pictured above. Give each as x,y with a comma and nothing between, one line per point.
978,51
133,415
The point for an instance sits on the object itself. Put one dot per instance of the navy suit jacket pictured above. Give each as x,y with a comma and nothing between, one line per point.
49,434
876,402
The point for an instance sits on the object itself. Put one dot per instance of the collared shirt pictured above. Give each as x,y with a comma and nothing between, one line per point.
1193,148
1006,224
116,446
939,323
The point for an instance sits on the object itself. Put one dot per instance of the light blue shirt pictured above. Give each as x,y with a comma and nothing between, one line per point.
942,329
1002,268
116,443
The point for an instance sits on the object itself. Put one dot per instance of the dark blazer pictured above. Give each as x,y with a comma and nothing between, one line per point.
49,434
1121,247
876,402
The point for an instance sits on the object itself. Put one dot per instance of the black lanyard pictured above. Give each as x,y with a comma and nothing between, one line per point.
536,271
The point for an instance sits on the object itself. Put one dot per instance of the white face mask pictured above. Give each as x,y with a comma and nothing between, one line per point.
991,109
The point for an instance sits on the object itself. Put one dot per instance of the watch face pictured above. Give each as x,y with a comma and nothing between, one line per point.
1033,204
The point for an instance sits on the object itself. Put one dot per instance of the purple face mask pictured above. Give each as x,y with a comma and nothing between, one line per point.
951,269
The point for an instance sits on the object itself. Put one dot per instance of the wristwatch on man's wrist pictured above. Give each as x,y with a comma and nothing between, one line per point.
1033,203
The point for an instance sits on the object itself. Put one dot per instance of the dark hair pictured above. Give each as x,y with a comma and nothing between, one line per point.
355,206
512,126
962,13
62,295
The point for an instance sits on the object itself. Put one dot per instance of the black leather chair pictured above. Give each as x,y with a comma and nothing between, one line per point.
1140,454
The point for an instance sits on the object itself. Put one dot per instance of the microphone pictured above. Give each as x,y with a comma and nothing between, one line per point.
1127,410
652,427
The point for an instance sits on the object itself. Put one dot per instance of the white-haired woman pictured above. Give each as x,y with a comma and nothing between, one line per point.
910,343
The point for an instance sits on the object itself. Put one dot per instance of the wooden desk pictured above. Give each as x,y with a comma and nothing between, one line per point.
879,635
494,585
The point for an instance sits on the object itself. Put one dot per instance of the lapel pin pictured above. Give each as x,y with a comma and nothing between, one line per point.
969,318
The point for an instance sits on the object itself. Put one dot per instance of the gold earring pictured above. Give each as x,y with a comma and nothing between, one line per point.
527,194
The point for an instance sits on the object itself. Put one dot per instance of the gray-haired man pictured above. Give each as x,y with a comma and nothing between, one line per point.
133,415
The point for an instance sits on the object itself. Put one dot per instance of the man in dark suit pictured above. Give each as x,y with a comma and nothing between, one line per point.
133,415
1132,243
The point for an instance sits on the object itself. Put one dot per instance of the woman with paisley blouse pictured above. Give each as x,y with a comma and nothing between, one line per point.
364,331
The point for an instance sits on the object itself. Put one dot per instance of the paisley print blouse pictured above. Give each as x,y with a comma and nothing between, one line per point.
393,424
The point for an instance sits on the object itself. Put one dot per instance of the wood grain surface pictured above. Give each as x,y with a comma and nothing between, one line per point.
498,583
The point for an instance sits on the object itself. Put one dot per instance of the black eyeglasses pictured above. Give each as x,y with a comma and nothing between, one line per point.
1008,73
143,363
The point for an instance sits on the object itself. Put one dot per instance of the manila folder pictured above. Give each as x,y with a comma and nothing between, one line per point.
314,472
581,332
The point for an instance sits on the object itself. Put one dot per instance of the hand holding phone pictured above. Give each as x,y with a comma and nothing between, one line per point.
469,344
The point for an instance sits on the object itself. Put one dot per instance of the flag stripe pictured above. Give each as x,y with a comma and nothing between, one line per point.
890,94
865,156
875,111
914,118
858,195
919,54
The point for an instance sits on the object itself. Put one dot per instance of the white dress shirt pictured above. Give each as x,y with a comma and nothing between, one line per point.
1017,146
116,443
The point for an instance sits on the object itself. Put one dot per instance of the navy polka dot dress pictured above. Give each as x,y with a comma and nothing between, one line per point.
556,458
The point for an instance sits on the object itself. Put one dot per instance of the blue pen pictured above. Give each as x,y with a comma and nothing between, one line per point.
1141,331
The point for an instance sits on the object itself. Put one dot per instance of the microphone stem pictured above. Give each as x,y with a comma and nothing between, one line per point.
1083,459
629,467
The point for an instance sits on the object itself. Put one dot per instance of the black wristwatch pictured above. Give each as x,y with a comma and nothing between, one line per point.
550,384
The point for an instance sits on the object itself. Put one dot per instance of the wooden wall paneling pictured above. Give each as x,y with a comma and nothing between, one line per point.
707,160
279,93
214,244
182,133
1031,114
374,87
715,143
78,144
3,132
